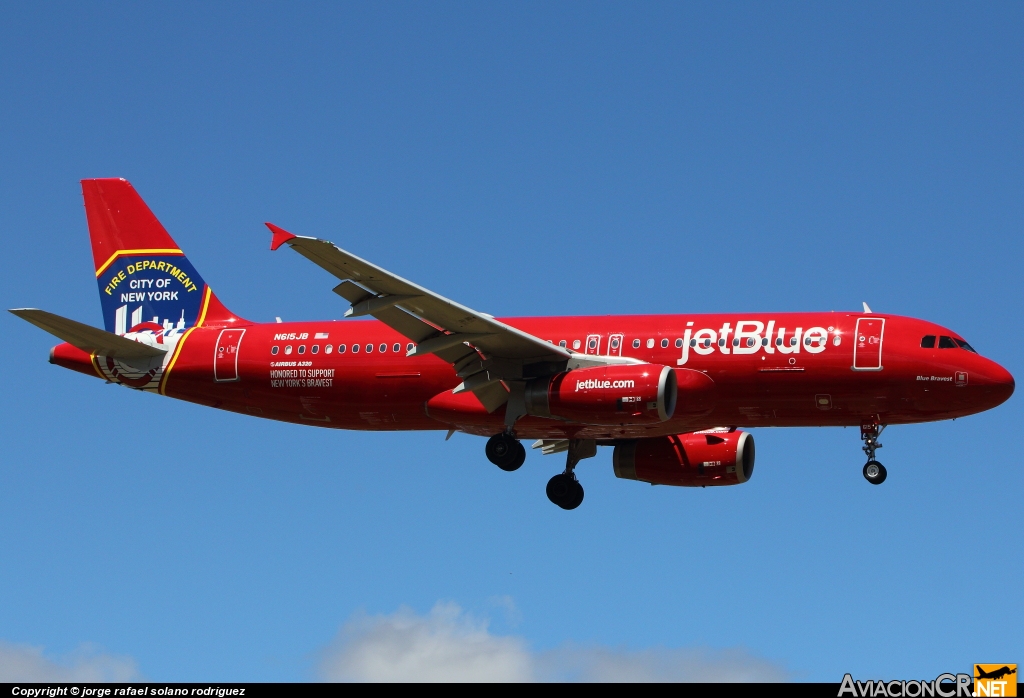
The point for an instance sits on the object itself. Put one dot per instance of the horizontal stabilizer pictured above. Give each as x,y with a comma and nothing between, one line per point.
86,337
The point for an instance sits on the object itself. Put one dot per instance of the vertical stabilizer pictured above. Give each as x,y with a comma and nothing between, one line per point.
145,280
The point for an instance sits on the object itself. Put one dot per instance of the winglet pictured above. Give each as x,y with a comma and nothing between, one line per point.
281,236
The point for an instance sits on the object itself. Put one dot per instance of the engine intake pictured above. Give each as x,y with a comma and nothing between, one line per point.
606,395
687,460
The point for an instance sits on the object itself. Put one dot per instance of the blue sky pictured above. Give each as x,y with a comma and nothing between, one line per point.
525,159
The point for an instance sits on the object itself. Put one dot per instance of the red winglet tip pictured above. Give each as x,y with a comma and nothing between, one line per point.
281,236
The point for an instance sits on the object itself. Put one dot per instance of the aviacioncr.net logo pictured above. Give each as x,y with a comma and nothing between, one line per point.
943,686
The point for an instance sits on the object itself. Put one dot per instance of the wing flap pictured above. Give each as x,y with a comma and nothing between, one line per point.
86,337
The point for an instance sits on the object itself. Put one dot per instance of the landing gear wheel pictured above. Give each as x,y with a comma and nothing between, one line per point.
874,472
505,451
565,491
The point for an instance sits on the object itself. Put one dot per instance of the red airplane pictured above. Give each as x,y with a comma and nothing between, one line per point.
667,392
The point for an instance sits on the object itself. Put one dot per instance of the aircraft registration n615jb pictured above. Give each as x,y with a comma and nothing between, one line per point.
667,392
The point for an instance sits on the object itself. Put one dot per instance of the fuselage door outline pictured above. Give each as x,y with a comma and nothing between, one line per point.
225,355
867,344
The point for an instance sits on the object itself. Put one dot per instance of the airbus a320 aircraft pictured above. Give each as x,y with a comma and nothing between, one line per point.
667,392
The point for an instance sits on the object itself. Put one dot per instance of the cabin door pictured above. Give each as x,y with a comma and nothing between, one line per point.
867,344
225,357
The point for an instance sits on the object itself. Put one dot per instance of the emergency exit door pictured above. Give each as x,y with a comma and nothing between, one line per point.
225,357
867,344
593,344
615,345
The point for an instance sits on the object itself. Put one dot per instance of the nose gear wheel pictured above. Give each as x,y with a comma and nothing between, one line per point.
874,472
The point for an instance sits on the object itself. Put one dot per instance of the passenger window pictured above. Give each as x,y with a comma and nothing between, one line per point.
409,346
928,341
693,342
650,343
355,348
664,344
288,349
764,342
397,348
274,351
369,348
341,348
946,343
561,343
383,348
315,349
576,344
965,345
302,348
636,343
679,344
328,349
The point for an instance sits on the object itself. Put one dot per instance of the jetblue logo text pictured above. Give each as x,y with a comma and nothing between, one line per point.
752,336
597,385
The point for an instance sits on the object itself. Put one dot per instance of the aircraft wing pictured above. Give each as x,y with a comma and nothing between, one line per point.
86,337
436,324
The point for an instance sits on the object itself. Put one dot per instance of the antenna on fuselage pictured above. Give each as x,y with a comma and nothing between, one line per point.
866,308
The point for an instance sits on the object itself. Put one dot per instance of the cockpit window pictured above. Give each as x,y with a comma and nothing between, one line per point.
928,341
946,343
964,345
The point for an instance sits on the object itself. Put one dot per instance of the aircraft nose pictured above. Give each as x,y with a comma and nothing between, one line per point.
995,383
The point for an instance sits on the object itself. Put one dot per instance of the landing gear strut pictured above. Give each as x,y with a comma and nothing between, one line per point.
874,472
505,451
564,489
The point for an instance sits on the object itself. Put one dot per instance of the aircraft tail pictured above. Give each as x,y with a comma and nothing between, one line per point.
145,280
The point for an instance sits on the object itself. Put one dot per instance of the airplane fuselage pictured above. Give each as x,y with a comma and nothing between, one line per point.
780,370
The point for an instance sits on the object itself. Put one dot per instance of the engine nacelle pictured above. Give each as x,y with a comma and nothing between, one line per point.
688,460
606,395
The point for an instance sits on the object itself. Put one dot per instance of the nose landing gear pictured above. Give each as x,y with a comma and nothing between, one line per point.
874,472
505,451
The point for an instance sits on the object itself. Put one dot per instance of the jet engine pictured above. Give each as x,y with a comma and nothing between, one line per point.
687,460
617,394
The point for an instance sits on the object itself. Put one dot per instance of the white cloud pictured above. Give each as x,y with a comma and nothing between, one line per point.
86,664
450,645
444,645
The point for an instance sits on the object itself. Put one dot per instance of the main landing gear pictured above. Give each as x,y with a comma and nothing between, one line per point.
564,489
505,451
874,472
